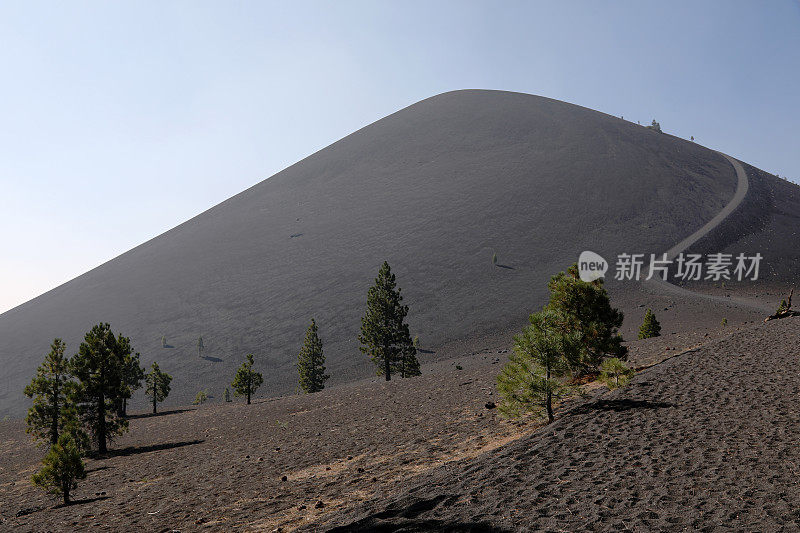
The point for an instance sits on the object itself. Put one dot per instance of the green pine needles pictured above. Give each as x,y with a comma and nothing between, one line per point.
62,467
538,367
615,373
650,326
384,333
52,391
246,380
571,336
311,361
158,385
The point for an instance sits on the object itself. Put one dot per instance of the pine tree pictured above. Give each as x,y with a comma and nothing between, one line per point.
615,373
163,341
62,467
537,368
227,394
384,333
584,308
311,362
246,380
200,398
52,392
132,374
157,385
200,347
98,366
650,326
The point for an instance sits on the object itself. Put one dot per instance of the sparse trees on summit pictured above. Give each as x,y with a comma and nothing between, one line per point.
384,333
311,361
246,380
655,126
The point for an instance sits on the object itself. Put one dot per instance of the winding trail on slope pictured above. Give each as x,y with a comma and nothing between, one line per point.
661,285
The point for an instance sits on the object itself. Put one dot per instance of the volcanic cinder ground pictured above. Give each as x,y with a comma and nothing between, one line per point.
704,437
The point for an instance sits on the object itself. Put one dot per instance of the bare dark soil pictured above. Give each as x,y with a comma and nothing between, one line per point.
426,453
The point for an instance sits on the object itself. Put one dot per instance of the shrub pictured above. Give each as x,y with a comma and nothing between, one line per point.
62,467
201,398
615,373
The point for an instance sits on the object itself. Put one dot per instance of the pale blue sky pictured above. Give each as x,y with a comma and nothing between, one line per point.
122,120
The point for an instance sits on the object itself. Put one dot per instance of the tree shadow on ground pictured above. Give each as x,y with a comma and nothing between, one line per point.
419,525
212,359
625,405
90,470
160,413
81,501
505,266
404,516
133,450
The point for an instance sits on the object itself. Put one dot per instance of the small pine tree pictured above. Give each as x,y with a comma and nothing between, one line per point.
655,126
200,398
62,467
158,385
537,368
163,341
311,362
782,307
615,373
132,375
384,333
494,259
227,394
52,391
724,322
246,380
200,346
650,326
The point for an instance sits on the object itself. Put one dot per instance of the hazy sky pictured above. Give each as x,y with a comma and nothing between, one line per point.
121,120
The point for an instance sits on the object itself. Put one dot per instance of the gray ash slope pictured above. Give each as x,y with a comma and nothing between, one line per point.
435,189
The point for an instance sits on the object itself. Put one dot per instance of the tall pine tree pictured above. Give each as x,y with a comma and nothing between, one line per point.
311,362
584,308
52,391
384,333
99,367
246,380
157,385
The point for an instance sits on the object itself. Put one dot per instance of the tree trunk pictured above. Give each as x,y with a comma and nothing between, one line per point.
154,401
101,423
65,492
549,399
54,425
387,367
